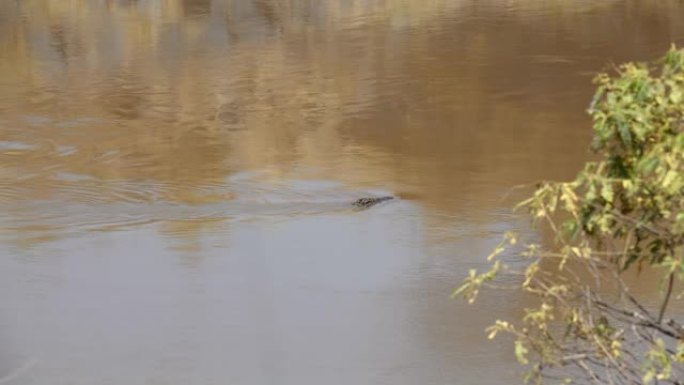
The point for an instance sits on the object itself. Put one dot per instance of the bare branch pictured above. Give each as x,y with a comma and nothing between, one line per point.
667,298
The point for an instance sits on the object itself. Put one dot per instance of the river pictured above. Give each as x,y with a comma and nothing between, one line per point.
176,179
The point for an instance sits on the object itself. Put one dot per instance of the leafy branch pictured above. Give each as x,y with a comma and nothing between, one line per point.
623,212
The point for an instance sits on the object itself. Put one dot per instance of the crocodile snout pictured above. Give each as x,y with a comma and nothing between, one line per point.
364,203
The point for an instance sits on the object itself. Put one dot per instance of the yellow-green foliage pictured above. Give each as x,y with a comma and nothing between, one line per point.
622,212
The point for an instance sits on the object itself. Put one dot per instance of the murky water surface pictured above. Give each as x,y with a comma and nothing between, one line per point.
176,179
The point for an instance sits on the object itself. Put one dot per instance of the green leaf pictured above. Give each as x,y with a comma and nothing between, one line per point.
676,95
625,134
670,176
648,165
607,192
521,352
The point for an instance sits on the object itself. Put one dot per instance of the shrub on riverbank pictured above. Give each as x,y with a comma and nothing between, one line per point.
623,212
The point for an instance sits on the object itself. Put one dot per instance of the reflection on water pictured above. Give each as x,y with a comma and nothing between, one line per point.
176,179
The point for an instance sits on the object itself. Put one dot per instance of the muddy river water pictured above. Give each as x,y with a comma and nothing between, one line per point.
176,179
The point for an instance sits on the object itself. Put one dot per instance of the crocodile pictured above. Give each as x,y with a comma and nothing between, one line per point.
366,202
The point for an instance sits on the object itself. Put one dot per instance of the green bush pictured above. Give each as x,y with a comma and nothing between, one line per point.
623,212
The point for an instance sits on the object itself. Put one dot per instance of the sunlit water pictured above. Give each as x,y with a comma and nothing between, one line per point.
176,180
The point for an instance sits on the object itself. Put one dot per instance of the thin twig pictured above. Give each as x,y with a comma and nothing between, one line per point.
670,283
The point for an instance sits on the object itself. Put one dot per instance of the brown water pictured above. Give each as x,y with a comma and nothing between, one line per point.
176,179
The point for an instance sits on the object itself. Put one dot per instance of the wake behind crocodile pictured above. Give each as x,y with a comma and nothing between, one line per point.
80,205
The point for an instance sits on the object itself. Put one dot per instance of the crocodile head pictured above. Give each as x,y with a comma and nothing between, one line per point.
364,203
